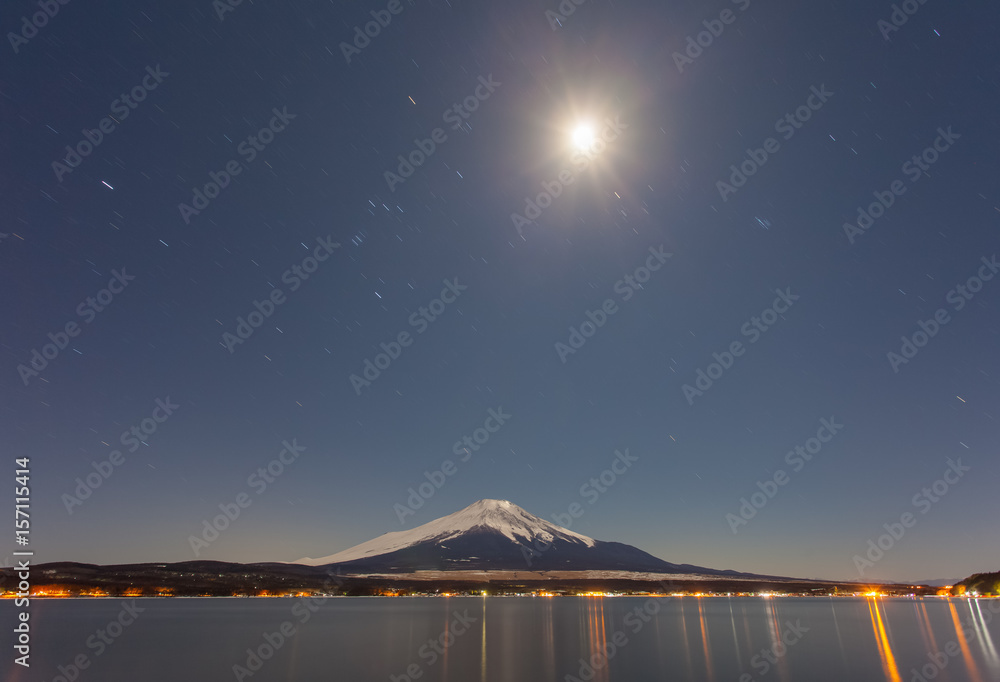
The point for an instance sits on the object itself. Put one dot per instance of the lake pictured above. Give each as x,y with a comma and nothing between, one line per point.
494,639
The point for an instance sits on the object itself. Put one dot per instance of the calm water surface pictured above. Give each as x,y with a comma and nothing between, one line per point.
470,639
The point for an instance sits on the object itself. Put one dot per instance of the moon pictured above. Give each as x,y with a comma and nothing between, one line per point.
583,137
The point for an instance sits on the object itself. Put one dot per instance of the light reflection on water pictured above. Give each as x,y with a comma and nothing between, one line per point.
966,654
882,640
496,639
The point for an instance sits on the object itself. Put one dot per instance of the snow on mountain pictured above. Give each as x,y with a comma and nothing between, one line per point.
498,516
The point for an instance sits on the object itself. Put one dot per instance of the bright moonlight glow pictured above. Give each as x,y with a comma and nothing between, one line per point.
583,137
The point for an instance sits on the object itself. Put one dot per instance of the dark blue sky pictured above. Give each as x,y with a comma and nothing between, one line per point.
318,173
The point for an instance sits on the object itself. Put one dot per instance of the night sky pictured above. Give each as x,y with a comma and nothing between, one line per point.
481,300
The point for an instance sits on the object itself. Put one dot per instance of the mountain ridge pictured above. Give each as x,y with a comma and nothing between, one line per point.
502,516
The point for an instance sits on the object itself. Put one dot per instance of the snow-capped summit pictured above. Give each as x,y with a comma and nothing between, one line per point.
495,535
484,516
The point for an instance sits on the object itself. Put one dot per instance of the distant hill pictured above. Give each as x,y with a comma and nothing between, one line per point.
981,583
938,582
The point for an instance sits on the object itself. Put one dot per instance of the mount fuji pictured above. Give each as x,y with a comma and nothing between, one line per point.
497,535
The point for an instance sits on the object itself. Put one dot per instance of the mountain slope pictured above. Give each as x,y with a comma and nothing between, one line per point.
497,535
498,516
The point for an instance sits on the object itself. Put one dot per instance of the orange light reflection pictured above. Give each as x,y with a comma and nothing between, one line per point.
882,639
